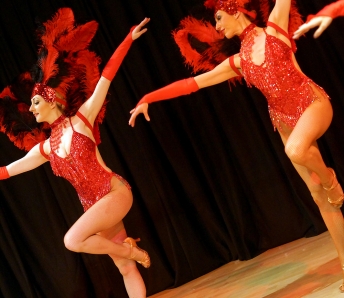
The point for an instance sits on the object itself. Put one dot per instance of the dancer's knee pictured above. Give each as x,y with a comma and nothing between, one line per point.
71,242
296,153
126,266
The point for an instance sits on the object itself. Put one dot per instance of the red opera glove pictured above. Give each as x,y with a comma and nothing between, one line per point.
4,173
178,88
333,10
116,59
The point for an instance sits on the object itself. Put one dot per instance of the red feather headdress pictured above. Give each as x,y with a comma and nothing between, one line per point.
66,71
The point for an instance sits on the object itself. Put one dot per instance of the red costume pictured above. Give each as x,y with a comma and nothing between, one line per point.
81,167
288,91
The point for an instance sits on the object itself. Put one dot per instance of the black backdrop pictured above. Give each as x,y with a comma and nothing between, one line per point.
209,175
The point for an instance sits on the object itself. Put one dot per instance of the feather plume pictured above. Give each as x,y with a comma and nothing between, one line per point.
201,46
79,38
65,64
16,121
202,31
210,4
265,9
47,64
295,19
62,22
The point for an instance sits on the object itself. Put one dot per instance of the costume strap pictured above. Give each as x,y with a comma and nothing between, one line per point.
231,63
284,33
94,129
84,119
278,28
252,14
71,124
41,149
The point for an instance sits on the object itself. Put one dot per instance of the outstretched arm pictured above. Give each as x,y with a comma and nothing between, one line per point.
322,19
92,106
280,14
30,161
219,74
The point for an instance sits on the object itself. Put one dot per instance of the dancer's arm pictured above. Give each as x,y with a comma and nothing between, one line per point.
280,14
322,19
219,74
30,161
92,106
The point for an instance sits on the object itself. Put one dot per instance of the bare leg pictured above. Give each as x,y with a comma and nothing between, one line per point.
310,166
132,278
92,232
300,147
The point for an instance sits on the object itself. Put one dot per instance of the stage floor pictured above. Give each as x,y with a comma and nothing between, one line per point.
308,267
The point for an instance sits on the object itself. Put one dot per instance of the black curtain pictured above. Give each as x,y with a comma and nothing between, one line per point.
210,178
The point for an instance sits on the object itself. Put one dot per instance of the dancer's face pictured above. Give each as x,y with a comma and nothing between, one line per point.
226,23
40,108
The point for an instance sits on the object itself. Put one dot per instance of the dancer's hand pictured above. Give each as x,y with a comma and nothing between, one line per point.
320,21
142,108
138,31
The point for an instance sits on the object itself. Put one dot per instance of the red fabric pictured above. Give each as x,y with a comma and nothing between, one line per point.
42,150
283,32
205,33
231,63
4,173
333,10
82,169
178,88
288,91
116,59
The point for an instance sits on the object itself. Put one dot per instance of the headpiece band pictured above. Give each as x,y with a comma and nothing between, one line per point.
229,6
48,93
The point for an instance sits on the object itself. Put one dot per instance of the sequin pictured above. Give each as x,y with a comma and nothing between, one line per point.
82,169
288,91
56,132
45,91
229,6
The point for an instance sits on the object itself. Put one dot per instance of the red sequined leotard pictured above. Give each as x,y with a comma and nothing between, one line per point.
288,91
83,170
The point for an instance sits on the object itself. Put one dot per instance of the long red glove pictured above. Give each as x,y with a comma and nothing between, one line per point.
4,173
333,10
116,59
178,88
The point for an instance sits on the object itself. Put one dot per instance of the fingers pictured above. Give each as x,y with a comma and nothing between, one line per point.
143,23
321,21
324,24
142,31
138,31
132,120
145,113
318,32
302,30
142,108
